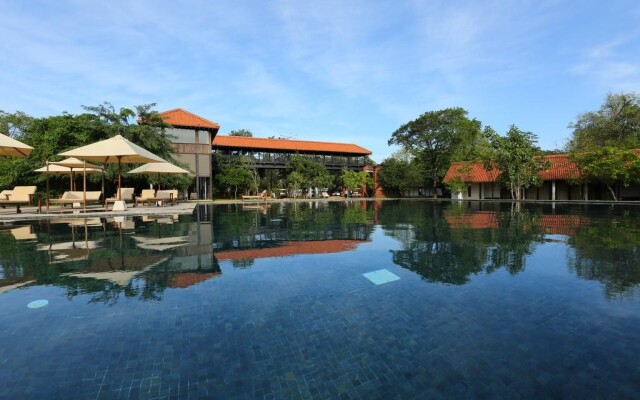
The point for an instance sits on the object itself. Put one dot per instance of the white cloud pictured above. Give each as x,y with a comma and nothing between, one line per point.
614,64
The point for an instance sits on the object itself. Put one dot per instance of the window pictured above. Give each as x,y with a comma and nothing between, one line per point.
469,191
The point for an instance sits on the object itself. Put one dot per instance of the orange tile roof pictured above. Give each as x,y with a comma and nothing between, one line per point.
186,279
286,144
289,249
562,224
476,220
561,168
551,224
473,172
183,118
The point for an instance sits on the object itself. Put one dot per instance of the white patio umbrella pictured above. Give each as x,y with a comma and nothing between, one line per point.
54,169
157,168
114,150
70,164
11,147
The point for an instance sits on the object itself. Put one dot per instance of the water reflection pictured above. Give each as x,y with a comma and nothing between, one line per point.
245,233
108,259
451,242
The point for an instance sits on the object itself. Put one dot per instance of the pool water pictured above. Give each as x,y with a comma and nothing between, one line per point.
354,300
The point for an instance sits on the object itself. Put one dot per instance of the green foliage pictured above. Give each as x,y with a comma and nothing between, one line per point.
437,138
456,185
518,159
52,135
234,176
606,250
149,133
399,175
615,124
295,182
14,124
356,180
438,245
609,165
312,173
241,132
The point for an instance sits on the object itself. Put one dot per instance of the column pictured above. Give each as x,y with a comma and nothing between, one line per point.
553,190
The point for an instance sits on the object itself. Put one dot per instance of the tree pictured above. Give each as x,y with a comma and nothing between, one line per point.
518,159
609,166
14,124
399,174
143,126
356,180
235,176
295,180
48,136
52,135
241,132
148,133
615,124
436,137
313,173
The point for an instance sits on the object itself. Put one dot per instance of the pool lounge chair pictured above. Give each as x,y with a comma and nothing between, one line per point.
126,195
167,196
19,196
5,194
76,198
261,197
146,196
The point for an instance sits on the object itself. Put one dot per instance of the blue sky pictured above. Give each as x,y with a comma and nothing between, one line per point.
344,71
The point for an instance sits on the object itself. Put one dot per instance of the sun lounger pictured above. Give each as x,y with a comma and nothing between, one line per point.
261,197
5,194
77,199
167,196
19,196
146,196
125,193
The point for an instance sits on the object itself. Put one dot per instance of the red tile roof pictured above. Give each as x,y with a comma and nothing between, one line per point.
472,172
186,279
182,118
476,220
551,224
562,224
561,168
286,144
289,249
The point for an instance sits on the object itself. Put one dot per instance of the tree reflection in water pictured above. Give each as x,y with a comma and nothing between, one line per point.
444,242
450,242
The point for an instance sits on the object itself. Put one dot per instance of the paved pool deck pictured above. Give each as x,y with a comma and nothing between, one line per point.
30,213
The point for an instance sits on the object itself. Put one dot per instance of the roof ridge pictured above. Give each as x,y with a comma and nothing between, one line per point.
179,109
290,140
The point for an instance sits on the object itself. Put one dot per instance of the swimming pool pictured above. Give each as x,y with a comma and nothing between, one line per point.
391,299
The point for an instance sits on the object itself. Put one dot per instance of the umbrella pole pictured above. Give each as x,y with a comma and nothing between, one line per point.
119,178
103,183
47,185
104,196
84,187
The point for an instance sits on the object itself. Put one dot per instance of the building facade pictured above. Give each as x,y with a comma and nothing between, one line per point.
276,153
197,142
192,136
560,182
